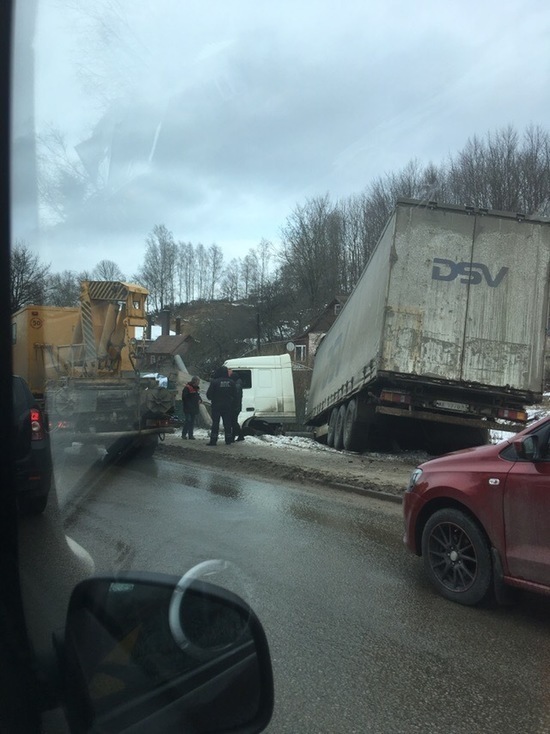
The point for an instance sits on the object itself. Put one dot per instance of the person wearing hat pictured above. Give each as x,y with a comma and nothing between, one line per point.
191,400
221,392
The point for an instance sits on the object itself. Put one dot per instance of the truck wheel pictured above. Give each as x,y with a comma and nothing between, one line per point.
352,429
148,446
457,557
332,426
339,428
118,447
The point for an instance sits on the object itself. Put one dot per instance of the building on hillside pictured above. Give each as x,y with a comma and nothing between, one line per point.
305,345
160,353
302,347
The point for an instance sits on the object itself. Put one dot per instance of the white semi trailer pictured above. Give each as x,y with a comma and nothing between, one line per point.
442,338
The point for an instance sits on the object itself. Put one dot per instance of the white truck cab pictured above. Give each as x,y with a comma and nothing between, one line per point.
268,392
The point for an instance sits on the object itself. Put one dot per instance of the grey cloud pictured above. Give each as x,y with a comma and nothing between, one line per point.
224,120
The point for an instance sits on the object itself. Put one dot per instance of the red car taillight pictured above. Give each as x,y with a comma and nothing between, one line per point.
37,427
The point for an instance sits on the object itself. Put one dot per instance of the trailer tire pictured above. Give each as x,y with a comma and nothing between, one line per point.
331,432
339,429
352,429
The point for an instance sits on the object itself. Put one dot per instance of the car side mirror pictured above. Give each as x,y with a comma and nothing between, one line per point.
141,655
527,448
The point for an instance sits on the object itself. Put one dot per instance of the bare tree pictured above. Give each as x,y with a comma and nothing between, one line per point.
249,273
64,288
201,271
115,58
231,280
355,240
311,251
264,258
107,270
534,160
28,277
185,271
215,258
64,184
158,271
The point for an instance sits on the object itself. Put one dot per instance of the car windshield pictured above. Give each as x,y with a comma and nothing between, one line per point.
196,184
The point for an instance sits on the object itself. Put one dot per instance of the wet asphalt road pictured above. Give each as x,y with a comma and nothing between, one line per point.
359,641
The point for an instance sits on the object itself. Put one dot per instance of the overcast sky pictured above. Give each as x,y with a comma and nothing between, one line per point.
217,118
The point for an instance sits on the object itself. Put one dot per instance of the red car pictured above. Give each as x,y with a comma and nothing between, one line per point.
480,518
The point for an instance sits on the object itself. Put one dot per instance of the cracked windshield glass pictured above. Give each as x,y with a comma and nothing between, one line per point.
279,294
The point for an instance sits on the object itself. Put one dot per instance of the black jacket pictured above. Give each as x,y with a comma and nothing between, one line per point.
191,399
222,391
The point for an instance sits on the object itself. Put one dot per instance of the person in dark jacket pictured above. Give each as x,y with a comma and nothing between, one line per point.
221,393
238,434
191,400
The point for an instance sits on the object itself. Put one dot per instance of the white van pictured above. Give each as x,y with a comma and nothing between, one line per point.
268,392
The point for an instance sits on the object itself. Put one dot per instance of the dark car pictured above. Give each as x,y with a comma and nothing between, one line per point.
480,518
33,460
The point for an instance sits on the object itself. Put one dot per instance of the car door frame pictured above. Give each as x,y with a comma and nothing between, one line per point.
526,513
19,695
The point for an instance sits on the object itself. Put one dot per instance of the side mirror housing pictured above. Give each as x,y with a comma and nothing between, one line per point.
140,655
527,448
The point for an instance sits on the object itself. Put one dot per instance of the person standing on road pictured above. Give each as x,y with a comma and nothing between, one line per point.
191,400
221,393
238,434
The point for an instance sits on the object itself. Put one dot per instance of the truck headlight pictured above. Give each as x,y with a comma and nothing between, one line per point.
414,479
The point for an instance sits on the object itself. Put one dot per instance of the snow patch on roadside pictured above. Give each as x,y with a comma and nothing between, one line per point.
300,443
535,412
304,444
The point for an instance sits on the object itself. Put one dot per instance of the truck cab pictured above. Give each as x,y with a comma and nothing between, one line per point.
268,401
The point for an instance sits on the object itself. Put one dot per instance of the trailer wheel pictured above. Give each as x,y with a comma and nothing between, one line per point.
332,427
352,429
339,430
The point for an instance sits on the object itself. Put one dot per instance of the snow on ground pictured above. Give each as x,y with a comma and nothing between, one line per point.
534,412
297,443
303,444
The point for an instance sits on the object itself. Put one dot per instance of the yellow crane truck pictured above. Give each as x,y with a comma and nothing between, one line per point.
83,364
